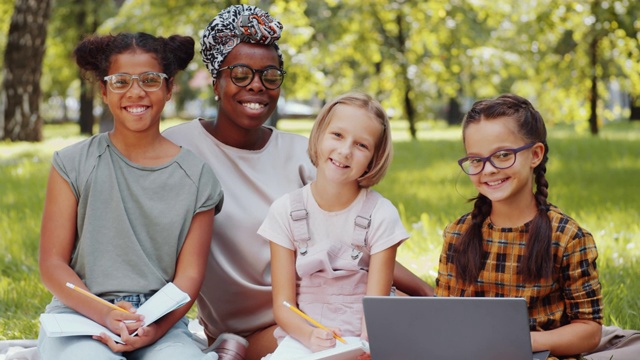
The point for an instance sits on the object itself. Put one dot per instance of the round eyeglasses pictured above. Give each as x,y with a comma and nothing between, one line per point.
242,76
149,81
501,159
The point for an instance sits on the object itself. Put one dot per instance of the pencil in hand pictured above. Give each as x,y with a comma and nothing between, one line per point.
96,298
311,320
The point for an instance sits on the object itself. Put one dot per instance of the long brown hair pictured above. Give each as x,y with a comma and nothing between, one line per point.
469,254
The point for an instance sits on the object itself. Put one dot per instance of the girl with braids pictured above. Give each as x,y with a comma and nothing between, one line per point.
127,211
515,243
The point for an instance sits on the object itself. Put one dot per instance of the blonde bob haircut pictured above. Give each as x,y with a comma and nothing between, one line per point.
383,152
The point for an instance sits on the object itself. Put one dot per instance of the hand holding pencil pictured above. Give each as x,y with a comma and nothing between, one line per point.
312,321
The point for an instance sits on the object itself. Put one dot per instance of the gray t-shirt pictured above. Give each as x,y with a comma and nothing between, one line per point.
132,220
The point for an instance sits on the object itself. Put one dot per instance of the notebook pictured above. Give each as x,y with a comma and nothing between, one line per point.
291,349
165,300
448,328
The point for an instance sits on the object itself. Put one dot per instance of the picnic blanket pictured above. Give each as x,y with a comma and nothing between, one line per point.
616,344
27,349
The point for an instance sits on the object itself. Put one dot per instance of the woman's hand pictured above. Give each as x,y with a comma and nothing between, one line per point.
146,335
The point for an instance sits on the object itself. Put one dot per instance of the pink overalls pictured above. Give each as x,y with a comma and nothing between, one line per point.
332,273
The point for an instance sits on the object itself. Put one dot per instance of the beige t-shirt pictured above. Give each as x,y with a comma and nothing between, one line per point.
236,294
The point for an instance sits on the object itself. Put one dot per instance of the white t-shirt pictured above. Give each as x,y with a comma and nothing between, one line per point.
236,294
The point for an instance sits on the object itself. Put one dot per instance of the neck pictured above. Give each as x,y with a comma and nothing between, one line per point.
239,138
144,149
513,215
331,197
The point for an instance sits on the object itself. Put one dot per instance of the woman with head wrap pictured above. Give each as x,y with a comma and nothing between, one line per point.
256,164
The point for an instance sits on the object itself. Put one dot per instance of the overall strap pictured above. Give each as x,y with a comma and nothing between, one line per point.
362,223
299,221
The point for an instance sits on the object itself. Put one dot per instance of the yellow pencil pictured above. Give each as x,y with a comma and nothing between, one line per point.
97,298
309,319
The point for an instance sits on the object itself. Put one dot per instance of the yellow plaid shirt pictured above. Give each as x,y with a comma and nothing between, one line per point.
573,291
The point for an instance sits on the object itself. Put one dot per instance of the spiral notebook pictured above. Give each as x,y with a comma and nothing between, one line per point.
448,328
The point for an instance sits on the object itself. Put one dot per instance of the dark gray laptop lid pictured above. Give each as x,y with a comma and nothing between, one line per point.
448,328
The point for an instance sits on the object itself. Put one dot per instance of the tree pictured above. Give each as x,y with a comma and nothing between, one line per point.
22,69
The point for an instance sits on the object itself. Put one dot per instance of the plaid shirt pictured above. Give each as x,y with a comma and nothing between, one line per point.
573,291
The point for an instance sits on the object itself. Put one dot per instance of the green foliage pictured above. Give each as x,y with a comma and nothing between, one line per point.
424,51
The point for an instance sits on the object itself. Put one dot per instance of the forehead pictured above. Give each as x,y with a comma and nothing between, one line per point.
134,62
255,55
357,118
486,136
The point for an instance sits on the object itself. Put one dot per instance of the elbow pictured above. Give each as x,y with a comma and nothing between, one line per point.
594,339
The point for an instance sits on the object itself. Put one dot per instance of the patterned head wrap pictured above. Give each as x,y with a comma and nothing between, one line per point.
233,25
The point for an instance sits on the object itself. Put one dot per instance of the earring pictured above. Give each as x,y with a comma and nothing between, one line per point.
217,98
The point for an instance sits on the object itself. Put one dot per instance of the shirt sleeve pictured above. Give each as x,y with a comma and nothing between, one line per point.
210,193
276,226
582,289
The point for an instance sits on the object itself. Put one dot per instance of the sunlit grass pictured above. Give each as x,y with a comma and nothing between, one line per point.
594,180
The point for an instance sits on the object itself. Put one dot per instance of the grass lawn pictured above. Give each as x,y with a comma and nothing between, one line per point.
593,179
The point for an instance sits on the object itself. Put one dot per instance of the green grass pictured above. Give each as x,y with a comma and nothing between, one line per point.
594,180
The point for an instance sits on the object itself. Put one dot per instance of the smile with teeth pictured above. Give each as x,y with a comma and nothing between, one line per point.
136,109
338,164
253,106
497,182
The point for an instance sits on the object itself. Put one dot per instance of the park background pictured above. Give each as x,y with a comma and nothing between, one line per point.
426,61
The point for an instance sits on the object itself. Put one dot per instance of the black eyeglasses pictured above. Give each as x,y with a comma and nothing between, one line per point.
501,159
242,76
149,81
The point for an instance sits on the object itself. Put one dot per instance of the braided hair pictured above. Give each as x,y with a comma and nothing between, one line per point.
469,254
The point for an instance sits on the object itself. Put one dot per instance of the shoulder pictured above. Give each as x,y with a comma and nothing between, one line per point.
178,132
563,224
458,225
288,140
194,166
84,149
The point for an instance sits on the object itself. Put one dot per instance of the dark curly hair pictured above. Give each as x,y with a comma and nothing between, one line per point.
94,53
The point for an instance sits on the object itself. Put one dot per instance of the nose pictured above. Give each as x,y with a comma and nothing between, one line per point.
135,88
489,168
345,149
256,83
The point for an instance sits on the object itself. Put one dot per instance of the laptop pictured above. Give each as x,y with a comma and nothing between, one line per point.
448,328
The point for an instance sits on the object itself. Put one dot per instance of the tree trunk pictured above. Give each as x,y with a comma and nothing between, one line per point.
408,102
593,94
454,112
23,57
86,119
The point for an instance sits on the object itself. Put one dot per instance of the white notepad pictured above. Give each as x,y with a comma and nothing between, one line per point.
292,349
167,299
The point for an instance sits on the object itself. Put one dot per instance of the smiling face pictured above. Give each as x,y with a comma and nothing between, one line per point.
510,186
136,109
347,145
246,107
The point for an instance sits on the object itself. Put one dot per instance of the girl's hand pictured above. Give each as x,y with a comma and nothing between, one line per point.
131,321
321,339
146,336
365,356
